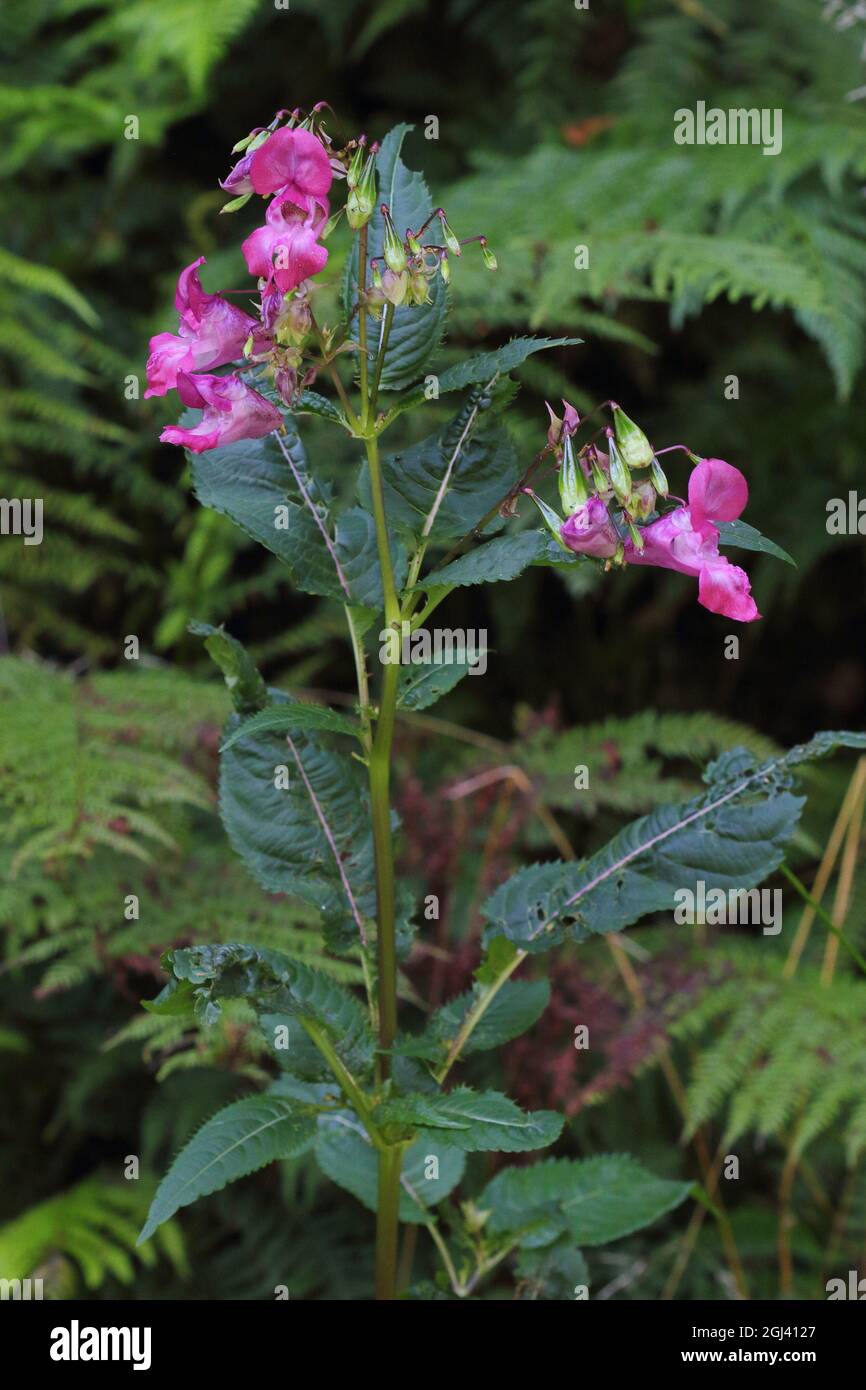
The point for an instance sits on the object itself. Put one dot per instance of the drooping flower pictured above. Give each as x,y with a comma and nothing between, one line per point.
686,540
211,333
239,181
286,249
590,531
292,162
231,411
560,430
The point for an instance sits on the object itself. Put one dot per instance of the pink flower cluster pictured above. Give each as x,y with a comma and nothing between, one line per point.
294,166
685,539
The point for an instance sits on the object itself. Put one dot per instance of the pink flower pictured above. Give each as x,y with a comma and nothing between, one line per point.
686,540
286,250
561,429
293,162
211,333
232,411
590,531
239,180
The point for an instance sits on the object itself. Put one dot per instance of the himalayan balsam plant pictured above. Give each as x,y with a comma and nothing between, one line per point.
305,790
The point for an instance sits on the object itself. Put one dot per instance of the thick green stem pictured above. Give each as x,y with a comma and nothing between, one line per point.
379,762
380,799
387,1224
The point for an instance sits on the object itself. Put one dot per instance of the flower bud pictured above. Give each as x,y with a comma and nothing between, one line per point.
660,482
236,204
445,268
633,443
572,484
620,478
554,431
448,236
393,249
489,259
413,243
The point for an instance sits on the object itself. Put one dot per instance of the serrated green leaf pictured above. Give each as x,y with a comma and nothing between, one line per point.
731,837
278,989
347,1158
278,831
247,689
515,1007
592,1200
719,837
421,686
483,466
483,367
552,1271
745,537
290,717
503,558
252,483
476,1121
239,1140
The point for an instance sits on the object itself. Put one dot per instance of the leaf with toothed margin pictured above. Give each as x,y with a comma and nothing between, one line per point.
503,558
292,717
253,484
730,837
278,830
482,368
348,1159
246,687
240,1139
476,456
421,686
591,1200
281,990
477,1121
514,1008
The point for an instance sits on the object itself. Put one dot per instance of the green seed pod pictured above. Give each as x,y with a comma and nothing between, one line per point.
620,478
659,481
572,484
633,443
549,517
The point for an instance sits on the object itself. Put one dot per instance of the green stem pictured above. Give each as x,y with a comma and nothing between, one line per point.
361,678
362,321
379,768
387,1223
823,915
476,1013
380,360
348,1084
